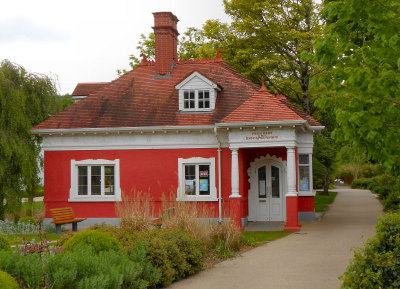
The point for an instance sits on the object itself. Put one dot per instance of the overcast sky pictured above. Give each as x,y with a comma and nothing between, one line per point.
87,40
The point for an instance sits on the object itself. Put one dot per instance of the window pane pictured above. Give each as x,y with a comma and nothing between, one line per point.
96,180
206,104
204,180
303,159
262,192
82,180
109,180
275,181
190,180
304,172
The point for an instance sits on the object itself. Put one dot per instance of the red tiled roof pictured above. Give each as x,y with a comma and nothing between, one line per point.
139,99
86,88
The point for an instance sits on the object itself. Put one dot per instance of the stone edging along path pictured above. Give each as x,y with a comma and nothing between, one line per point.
311,258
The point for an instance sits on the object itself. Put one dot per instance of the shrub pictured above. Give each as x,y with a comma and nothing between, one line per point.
27,219
7,281
99,241
392,201
361,183
4,244
27,269
175,253
377,264
82,268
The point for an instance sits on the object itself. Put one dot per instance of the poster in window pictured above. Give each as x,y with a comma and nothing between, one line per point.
203,185
304,184
261,188
189,187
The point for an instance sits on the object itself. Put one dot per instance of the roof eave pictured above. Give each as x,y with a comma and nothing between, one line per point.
118,130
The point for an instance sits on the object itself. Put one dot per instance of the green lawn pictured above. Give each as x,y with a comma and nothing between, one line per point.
322,201
17,239
37,206
257,237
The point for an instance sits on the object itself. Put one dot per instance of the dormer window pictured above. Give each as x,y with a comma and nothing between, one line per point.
197,94
196,99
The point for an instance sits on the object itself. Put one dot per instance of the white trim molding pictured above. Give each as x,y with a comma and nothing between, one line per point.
181,196
73,192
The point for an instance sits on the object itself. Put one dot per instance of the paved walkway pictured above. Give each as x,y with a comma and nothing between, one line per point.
310,259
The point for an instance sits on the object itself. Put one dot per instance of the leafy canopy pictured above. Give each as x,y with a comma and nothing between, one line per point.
360,51
26,99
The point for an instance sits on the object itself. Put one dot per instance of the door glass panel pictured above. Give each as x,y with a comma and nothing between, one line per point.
262,192
275,182
96,180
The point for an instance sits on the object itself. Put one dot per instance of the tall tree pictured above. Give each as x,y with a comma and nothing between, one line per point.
26,99
360,51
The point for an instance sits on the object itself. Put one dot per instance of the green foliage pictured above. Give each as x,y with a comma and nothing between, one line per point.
361,80
64,238
99,241
27,219
27,269
175,253
26,99
362,183
322,200
377,264
7,281
4,244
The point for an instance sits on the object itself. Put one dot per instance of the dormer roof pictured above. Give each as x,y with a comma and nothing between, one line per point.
192,76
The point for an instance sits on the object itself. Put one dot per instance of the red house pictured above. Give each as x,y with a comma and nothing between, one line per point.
195,127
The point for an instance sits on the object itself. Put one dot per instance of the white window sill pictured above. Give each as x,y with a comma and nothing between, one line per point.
197,199
95,199
306,194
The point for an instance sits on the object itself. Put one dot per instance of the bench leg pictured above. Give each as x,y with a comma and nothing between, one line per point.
75,226
58,228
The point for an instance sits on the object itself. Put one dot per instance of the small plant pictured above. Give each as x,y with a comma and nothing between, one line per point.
7,281
43,246
222,251
4,244
99,241
8,228
27,219
65,238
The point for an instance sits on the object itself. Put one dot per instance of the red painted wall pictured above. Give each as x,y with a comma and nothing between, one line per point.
306,204
152,171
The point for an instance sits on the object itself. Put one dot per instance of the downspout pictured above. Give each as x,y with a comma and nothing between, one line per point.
219,176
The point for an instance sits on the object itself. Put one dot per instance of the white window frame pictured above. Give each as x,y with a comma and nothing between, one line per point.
196,100
310,188
181,196
73,192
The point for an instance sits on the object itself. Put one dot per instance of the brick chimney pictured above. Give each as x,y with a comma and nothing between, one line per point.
166,41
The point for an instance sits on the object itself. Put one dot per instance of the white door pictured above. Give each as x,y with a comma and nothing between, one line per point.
268,194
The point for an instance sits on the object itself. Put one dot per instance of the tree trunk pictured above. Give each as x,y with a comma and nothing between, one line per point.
326,181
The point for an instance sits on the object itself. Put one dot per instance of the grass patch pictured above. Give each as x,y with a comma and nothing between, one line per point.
322,201
36,206
258,237
18,239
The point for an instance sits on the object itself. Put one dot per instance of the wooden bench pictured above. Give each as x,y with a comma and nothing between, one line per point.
167,213
65,216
